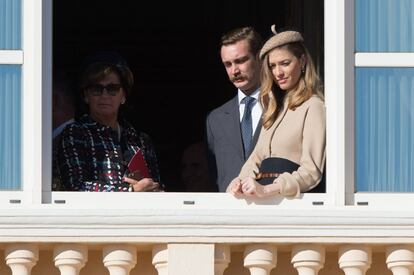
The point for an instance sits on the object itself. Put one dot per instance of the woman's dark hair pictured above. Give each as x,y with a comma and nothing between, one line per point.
99,70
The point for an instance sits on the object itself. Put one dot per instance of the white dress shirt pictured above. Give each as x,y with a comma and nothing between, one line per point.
256,110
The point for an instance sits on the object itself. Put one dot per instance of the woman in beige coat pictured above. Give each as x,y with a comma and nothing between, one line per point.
293,121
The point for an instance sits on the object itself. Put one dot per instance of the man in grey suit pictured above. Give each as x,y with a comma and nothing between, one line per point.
233,128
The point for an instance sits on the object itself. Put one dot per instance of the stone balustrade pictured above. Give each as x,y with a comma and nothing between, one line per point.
211,258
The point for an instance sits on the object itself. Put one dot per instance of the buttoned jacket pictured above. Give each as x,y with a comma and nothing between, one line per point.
298,135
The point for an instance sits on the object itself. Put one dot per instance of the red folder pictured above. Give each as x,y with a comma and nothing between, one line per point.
137,167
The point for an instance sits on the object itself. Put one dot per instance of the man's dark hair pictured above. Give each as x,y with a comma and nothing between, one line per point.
245,33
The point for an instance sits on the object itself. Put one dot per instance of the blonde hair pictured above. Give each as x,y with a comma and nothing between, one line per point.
272,97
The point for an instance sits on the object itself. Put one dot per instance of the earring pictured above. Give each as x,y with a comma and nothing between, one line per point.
123,100
303,69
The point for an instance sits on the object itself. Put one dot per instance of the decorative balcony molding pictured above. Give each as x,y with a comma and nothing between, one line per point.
232,225
120,258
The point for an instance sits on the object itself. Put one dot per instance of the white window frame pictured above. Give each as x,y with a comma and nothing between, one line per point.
387,200
11,57
36,61
333,196
354,60
339,38
340,62
37,151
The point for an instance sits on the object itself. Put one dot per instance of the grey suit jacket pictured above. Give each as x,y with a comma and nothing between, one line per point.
225,145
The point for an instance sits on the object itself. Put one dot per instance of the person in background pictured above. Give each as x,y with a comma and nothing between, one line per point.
63,113
194,169
233,128
294,121
95,150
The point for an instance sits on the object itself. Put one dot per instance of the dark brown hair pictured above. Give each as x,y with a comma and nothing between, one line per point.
253,38
99,70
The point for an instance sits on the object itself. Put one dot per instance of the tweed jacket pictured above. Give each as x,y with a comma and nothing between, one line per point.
297,135
91,158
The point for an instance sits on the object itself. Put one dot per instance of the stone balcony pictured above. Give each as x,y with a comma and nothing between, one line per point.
202,234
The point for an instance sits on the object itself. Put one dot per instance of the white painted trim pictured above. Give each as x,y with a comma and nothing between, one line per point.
32,101
11,57
384,60
382,200
338,80
157,200
10,199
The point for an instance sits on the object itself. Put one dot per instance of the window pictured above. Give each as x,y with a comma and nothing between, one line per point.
172,62
384,97
355,69
10,95
10,137
357,56
384,129
25,91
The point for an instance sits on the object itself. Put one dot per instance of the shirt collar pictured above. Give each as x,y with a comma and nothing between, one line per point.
242,95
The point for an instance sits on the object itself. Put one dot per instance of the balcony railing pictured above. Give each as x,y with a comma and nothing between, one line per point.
207,258
242,238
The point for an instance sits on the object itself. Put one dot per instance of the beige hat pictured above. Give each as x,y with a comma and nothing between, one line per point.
280,39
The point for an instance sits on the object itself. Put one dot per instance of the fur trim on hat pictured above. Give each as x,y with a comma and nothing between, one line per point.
280,39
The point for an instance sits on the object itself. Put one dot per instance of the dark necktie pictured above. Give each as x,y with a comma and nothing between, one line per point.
246,123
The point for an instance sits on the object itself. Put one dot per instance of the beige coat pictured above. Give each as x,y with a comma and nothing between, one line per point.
297,135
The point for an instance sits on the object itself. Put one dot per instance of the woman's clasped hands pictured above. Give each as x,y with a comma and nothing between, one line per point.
249,188
246,187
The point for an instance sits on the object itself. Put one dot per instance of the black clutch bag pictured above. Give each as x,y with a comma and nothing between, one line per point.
271,168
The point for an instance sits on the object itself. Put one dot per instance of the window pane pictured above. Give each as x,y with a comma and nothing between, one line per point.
10,125
385,129
384,25
10,24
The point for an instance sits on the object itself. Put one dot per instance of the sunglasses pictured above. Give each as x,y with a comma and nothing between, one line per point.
97,89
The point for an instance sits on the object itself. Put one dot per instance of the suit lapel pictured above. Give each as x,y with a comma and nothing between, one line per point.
255,136
231,117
